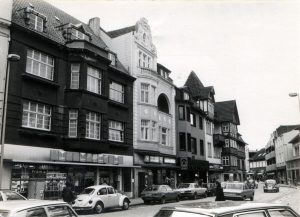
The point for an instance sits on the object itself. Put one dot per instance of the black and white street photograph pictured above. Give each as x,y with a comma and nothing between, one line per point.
150,108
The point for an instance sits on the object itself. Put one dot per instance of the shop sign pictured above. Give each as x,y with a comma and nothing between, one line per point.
154,159
215,167
184,163
82,157
100,158
95,158
61,155
168,160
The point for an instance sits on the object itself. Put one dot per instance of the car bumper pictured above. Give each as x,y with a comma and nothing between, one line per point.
149,198
77,208
270,190
233,197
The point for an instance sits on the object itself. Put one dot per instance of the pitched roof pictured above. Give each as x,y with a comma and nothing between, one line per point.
119,32
285,128
226,111
50,12
194,84
260,155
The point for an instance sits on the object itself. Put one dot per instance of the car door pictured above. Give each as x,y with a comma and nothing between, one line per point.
246,191
102,195
164,192
171,193
113,197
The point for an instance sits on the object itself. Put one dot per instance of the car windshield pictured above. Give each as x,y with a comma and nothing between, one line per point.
234,186
152,188
271,182
185,185
88,191
3,213
10,195
174,213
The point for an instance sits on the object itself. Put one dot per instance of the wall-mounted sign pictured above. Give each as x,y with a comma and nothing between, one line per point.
184,163
154,159
168,160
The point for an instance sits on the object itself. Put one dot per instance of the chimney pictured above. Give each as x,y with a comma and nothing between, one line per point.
94,24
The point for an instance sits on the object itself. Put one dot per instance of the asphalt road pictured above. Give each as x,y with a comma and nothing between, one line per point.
286,195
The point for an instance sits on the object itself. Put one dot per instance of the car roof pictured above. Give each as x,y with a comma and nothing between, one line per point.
222,207
17,205
99,186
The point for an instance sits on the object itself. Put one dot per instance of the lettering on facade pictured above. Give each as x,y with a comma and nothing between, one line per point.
184,163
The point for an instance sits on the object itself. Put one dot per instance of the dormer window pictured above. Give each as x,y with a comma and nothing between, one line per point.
112,57
78,35
35,19
74,32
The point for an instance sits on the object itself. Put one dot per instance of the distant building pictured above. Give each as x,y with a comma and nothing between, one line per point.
293,161
258,165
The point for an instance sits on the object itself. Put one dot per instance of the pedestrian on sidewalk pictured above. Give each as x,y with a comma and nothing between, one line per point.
67,194
219,192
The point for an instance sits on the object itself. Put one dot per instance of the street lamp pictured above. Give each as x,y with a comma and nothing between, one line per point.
10,58
295,95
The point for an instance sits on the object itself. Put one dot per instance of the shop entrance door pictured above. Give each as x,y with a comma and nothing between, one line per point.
36,189
141,181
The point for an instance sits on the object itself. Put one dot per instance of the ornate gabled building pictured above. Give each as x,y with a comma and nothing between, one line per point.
233,146
69,106
154,138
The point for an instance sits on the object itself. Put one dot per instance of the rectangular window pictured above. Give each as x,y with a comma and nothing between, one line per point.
93,80
75,68
201,147
39,64
153,131
186,96
36,22
208,128
188,114
194,145
78,34
227,143
225,128
36,116
200,123
189,142
112,57
140,59
209,149
181,112
225,161
116,92
182,144
145,128
93,125
193,120
73,121
144,60
144,93
164,136
116,131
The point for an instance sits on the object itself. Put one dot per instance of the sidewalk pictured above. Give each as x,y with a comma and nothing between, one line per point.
287,186
136,201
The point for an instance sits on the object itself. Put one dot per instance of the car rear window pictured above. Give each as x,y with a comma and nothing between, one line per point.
234,186
60,211
174,213
12,195
152,188
281,213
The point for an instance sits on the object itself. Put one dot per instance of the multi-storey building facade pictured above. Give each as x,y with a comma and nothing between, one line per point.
70,107
190,138
233,151
258,165
293,162
154,105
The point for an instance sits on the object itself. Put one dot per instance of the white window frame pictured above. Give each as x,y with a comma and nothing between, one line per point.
165,135
44,63
145,130
78,34
227,143
116,92
73,123
94,80
145,89
35,112
37,22
116,131
225,160
75,76
93,120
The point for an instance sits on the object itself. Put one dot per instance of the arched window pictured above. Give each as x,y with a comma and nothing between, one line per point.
162,103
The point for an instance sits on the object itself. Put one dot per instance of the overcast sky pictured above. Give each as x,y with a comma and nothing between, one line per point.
248,50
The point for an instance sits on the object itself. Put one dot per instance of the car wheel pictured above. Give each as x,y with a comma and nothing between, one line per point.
177,198
163,200
98,208
125,204
244,197
252,198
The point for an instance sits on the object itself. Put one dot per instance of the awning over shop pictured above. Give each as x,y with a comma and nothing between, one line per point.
160,166
73,163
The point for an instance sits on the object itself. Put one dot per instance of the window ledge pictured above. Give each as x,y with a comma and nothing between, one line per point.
40,79
115,103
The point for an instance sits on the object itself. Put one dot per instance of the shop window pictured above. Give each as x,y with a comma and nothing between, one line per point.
36,116
74,83
94,80
40,64
162,103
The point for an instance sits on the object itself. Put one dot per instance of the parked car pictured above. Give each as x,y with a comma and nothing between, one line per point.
238,190
253,184
99,197
228,209
210,188
191,190
160,193
271,185
6,195
40,208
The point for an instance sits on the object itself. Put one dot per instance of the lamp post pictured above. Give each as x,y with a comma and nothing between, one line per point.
295,95
10,58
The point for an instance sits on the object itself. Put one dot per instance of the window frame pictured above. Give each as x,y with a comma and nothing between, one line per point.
92,80
225,159
182,138
145,130
193,120
75,73
181,117
115,90
121,131
34,22
75,123
145,92
94,123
